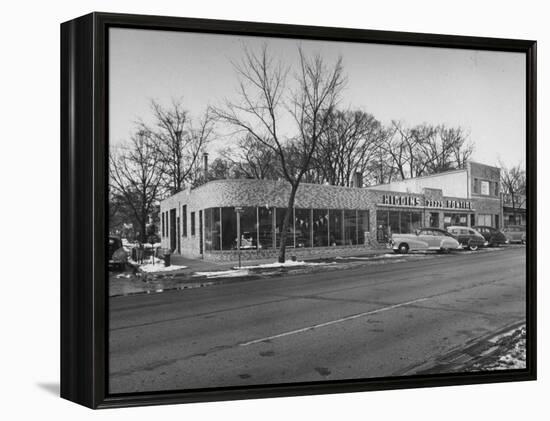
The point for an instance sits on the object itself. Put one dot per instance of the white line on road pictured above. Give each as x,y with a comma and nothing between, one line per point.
332,322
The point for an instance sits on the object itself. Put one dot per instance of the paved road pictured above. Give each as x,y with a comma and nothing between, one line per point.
370,321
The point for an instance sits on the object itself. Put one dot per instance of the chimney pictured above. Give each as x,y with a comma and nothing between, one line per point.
358,180
205,165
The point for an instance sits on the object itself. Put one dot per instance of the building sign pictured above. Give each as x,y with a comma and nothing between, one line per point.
458,204
405,200
390,199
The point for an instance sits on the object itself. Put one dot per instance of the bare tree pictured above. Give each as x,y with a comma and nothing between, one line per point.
135,178
252,159
445,148
394,146
426,149
262,100
351,140
514,186
180,143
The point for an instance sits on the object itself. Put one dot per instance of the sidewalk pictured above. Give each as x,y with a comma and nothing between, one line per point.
200,265
195,273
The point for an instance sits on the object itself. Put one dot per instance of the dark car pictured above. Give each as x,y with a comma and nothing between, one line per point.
515,233
468,237
493,236
117,256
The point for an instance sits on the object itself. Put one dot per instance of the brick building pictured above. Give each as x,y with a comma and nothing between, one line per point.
202,222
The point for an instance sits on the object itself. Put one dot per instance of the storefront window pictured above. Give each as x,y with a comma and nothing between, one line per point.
484,220
212,229
266,227
216,229
434,219
320,227
302,224
405,225
336,236
229,229
208,229
363,226
279,218
394,223
382,225
249,229
460,219
350,227
416,221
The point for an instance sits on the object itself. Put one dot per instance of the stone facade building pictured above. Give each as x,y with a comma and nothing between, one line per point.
208,221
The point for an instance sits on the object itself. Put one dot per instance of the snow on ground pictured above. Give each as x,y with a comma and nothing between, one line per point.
385,256
154,264
515,355
223,273
159,267
288,263
245,270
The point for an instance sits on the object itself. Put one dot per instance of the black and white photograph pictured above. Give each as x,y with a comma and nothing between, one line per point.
289,211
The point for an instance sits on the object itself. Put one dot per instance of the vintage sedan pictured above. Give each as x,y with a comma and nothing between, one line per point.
493,236
468,237
515,233
424,239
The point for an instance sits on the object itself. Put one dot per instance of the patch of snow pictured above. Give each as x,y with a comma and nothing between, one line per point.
514,358
148,245
223,273
387,256
159,267
288,263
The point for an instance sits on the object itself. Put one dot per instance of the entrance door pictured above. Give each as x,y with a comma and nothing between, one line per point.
173,229
200,233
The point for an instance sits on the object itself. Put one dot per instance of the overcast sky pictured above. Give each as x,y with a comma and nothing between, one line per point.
482,92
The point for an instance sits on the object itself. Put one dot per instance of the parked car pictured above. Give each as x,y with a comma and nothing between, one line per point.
424,239
468,237
515,233
117,257
493,236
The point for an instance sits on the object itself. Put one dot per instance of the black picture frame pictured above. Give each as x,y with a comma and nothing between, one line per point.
84,140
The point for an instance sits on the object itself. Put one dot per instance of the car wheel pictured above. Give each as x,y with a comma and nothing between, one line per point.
403,248
472,247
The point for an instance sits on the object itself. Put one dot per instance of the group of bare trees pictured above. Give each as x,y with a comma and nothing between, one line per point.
159,160
327,143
